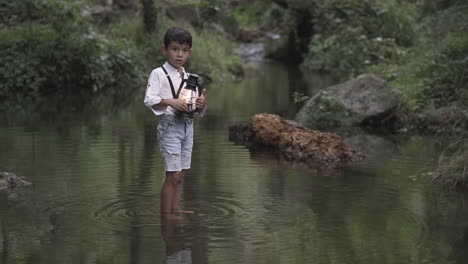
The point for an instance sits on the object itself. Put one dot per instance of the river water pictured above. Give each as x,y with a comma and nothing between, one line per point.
97,176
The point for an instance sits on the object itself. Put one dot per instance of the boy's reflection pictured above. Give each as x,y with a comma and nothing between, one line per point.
176,250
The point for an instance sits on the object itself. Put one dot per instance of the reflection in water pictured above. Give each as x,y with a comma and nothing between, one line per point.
176,250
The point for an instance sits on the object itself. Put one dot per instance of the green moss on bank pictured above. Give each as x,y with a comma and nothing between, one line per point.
324,113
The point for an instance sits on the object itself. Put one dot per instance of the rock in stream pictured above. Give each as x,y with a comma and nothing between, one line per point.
293,141
9,180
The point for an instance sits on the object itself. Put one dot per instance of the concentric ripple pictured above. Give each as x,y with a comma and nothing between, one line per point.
133,212
219,209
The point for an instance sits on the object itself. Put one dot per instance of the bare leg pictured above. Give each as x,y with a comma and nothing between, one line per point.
168,191
170,194
179,179
176,197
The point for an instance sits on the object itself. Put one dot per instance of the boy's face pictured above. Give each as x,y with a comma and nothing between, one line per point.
176,53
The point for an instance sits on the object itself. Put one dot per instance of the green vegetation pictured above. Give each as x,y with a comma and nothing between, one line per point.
453,165
350,35
331,117
433,79
207,50
259,15
51,52
420,47
434,83
49,49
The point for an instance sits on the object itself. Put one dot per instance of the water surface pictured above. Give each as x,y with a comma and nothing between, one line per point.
97,178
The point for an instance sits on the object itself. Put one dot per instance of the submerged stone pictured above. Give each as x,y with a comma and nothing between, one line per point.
10,180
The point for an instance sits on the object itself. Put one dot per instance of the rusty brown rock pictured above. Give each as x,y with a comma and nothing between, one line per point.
292,140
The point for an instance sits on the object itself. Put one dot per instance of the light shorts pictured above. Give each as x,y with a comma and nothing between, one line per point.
175,137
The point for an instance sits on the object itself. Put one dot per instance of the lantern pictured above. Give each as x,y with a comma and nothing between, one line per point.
190,93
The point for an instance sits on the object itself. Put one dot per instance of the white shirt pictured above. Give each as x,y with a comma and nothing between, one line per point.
158,87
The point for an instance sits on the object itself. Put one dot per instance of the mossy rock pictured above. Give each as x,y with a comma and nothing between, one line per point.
325,112
365,101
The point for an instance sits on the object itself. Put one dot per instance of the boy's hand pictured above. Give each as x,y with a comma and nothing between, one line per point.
200,102
177,104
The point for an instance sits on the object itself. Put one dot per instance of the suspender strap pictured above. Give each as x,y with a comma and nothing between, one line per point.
174,94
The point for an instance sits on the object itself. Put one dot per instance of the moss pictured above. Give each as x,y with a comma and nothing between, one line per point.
323,113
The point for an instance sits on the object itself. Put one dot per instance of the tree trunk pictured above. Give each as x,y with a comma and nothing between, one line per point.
149,15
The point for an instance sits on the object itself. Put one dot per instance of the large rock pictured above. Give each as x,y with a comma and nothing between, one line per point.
292,140
365,101
10,180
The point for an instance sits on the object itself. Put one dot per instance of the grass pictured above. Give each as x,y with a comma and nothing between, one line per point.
453,166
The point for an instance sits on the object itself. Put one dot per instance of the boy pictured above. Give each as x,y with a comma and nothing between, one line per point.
175,130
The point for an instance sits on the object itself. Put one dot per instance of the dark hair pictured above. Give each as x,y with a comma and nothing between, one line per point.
179,35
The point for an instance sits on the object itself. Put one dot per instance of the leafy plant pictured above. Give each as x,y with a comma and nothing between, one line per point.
445,76
351,35
59,54
300,97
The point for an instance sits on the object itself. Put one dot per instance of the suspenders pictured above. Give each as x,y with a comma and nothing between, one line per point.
174,94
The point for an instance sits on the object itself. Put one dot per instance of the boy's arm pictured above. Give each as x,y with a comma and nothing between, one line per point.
174,103
155,101
152,96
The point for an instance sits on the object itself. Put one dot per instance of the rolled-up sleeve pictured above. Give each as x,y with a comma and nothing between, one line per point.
153,92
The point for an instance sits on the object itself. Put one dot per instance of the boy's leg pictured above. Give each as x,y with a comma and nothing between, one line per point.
170,137
177,190
169,191
176,142
176,197
185,160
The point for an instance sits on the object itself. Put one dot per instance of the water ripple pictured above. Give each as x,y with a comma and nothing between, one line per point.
131,212
218,211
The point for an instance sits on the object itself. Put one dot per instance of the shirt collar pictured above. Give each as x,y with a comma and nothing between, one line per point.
171,69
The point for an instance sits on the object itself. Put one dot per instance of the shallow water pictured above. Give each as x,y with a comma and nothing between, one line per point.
97,178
